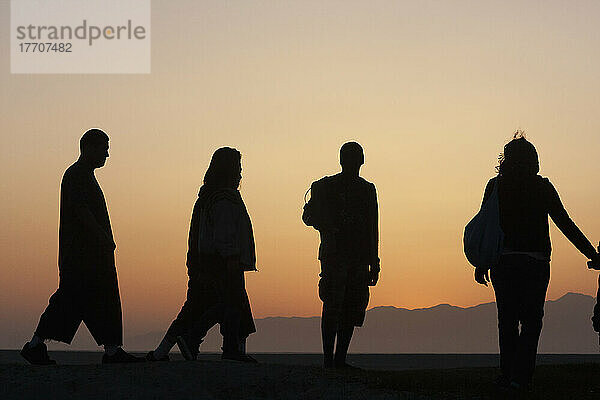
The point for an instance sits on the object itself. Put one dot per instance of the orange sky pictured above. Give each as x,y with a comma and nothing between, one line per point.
432,90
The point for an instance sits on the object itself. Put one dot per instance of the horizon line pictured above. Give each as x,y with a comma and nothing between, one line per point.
427,308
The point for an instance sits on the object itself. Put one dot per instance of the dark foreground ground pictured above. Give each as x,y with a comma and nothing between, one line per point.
386,362
211,379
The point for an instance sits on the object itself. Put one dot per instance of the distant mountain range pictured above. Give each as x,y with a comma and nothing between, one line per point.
440,329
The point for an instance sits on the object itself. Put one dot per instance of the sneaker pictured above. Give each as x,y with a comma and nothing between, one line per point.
150,357
188,349
121,357
37,355
239,357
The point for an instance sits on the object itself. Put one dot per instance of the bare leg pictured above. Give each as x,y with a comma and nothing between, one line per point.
328,332
344,335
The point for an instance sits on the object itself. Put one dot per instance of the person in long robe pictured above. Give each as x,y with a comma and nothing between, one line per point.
88,290
220,249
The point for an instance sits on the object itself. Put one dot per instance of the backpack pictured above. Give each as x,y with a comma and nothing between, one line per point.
483,238
308,211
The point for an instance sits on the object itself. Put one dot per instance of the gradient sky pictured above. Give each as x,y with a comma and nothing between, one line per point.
431,89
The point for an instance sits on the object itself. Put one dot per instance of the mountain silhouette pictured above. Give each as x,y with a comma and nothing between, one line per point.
440,329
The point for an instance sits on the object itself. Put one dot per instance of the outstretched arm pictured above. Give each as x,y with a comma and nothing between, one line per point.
566,225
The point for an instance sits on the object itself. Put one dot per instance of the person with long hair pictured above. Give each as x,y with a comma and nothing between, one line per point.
220,248
520,279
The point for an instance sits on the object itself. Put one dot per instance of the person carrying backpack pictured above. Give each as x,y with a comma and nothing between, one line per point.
343,208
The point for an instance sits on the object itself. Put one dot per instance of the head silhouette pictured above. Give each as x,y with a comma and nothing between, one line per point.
351,157
225,169
93,146
520,158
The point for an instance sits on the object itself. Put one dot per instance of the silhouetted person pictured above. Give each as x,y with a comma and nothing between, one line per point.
88,290
220,249
520,279
596,316
343,208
